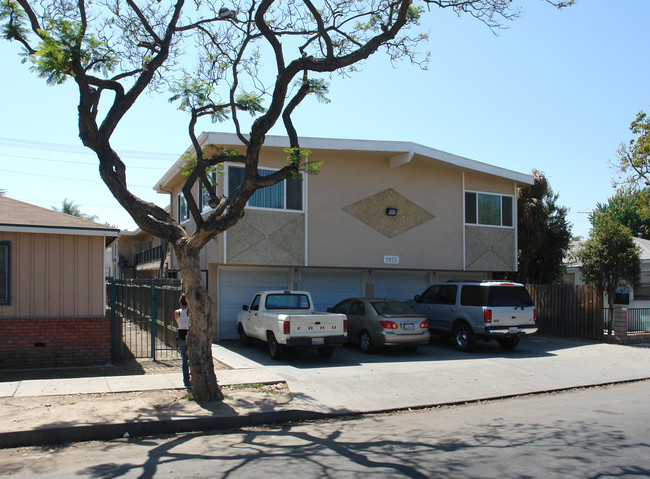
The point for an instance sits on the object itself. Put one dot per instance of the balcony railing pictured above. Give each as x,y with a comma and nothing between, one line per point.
150,255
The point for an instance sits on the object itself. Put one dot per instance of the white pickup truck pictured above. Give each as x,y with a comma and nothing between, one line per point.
287,318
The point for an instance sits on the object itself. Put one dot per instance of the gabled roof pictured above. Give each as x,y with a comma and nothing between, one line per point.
395,152
17,216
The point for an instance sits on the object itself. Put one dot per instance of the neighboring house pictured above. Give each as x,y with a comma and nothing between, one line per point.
633,297
139,255
380,219
52,293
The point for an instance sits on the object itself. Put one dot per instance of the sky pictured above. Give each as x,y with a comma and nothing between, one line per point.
556,92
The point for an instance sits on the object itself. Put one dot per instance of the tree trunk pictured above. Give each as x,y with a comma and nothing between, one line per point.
199,343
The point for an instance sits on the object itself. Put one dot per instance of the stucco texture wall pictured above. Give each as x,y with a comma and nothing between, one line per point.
348,225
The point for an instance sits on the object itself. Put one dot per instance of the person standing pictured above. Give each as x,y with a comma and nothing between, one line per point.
182,318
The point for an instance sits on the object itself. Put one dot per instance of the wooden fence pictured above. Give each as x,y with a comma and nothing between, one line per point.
570,311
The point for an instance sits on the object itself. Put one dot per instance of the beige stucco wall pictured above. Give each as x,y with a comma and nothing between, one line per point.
340,234
488,184
55,275
345,222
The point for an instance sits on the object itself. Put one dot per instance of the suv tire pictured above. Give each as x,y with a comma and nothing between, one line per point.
509,342
464,338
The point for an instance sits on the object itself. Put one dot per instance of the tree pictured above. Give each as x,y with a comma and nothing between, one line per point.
70,208
609,258
116,50
634,156
544,233
630,208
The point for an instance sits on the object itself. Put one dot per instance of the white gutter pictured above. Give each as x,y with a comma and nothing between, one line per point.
402,152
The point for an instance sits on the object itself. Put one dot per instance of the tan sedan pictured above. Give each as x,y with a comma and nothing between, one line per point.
376,322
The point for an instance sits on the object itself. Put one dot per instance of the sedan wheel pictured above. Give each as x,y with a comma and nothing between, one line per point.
365,342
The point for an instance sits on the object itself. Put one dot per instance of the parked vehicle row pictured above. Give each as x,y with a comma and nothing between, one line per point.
462,310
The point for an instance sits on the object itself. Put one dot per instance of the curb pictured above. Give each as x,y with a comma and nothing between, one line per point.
106,432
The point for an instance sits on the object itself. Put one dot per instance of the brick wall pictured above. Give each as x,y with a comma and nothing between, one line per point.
54,342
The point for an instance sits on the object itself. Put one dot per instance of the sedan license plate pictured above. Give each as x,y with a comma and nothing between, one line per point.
408,326
317,340
513,330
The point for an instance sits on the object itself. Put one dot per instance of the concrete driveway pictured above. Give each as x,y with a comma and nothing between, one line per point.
437,374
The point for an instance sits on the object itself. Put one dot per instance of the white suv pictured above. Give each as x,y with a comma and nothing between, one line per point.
469,310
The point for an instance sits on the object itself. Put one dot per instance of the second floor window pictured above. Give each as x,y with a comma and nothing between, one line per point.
286,195
204,197
488,209
183,211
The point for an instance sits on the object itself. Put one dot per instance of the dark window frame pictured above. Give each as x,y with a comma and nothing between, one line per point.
472,211
182,218
5,270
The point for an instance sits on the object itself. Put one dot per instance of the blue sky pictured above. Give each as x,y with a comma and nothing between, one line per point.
555,92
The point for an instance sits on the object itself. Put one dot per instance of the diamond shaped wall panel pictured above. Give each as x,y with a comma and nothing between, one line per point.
372,212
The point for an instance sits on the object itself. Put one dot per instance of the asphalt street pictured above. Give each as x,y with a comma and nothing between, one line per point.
596,432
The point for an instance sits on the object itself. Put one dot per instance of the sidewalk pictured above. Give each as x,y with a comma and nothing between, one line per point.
99,408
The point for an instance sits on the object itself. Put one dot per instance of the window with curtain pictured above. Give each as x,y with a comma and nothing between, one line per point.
286,195
488,209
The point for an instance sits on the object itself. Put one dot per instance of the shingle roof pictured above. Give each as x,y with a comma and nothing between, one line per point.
19,216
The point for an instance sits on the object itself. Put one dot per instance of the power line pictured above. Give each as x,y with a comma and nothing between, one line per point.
65,178
60,147
159,168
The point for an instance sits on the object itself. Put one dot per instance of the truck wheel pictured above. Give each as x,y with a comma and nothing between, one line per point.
464,338
275,349
509,342
326,352
244,338
365,342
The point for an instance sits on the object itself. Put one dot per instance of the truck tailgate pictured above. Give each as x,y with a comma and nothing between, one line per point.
316,324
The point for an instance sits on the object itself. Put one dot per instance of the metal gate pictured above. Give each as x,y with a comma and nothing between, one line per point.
142,317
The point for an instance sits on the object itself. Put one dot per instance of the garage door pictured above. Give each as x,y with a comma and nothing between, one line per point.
237,287
400,285
329,287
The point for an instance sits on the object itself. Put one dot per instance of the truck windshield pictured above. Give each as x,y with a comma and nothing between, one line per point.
287,301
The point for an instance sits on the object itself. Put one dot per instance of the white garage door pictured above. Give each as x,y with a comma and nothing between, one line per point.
329,287
400,285
237,287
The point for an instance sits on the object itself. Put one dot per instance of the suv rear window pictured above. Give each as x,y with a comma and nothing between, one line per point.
509,296
495,296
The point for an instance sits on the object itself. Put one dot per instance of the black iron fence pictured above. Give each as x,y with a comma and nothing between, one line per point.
142,317
638,320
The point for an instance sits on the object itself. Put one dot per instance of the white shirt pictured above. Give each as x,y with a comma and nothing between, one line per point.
183,320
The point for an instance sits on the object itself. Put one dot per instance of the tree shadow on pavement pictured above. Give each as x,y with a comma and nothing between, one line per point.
337,449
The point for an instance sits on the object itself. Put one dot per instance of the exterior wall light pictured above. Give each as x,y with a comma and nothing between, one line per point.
391,211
